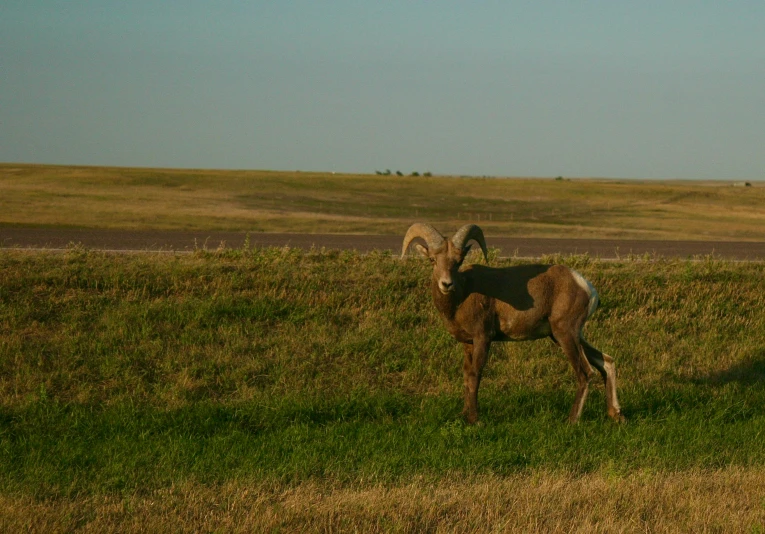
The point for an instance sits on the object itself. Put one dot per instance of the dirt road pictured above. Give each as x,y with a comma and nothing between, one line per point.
147,240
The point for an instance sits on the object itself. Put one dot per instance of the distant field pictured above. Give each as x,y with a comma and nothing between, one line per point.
134,198
279,390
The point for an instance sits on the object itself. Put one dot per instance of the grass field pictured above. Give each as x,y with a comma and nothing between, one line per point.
134,198
279,390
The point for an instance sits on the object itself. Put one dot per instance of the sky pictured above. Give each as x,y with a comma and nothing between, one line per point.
641,89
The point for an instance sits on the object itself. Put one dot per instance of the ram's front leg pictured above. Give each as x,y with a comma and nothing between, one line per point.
472,368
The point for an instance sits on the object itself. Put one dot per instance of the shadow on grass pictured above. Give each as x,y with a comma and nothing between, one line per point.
749,372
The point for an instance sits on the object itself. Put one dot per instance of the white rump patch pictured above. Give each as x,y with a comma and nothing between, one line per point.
592,293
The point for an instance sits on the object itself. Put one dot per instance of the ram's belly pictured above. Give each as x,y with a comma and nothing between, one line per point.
522,329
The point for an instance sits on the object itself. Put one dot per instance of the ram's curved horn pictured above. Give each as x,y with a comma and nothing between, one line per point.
468,232
425,232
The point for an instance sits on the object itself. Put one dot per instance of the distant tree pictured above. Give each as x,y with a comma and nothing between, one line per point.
387,172
415,173
379,173
399,173
427,173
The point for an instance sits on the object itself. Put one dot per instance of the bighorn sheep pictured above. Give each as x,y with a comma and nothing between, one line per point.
482,304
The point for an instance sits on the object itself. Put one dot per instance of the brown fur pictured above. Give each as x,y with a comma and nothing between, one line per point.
480,305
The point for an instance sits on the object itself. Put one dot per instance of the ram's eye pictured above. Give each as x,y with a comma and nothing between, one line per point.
432,260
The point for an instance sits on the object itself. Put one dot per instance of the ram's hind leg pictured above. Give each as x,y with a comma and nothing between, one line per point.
573,351
605,366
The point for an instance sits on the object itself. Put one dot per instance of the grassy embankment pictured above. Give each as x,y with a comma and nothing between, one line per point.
134,198
274,389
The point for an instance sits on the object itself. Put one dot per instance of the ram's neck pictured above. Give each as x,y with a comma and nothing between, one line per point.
447,304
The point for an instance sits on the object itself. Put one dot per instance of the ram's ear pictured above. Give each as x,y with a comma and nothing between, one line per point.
422,250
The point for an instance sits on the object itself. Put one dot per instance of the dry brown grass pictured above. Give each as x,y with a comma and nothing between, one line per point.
729,500
133,198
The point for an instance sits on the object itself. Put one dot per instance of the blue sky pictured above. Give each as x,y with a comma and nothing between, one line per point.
540,88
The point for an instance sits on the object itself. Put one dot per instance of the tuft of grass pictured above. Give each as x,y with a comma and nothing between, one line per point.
123,377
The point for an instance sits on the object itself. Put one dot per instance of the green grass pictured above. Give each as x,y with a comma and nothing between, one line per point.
128,374
56,450
135,198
